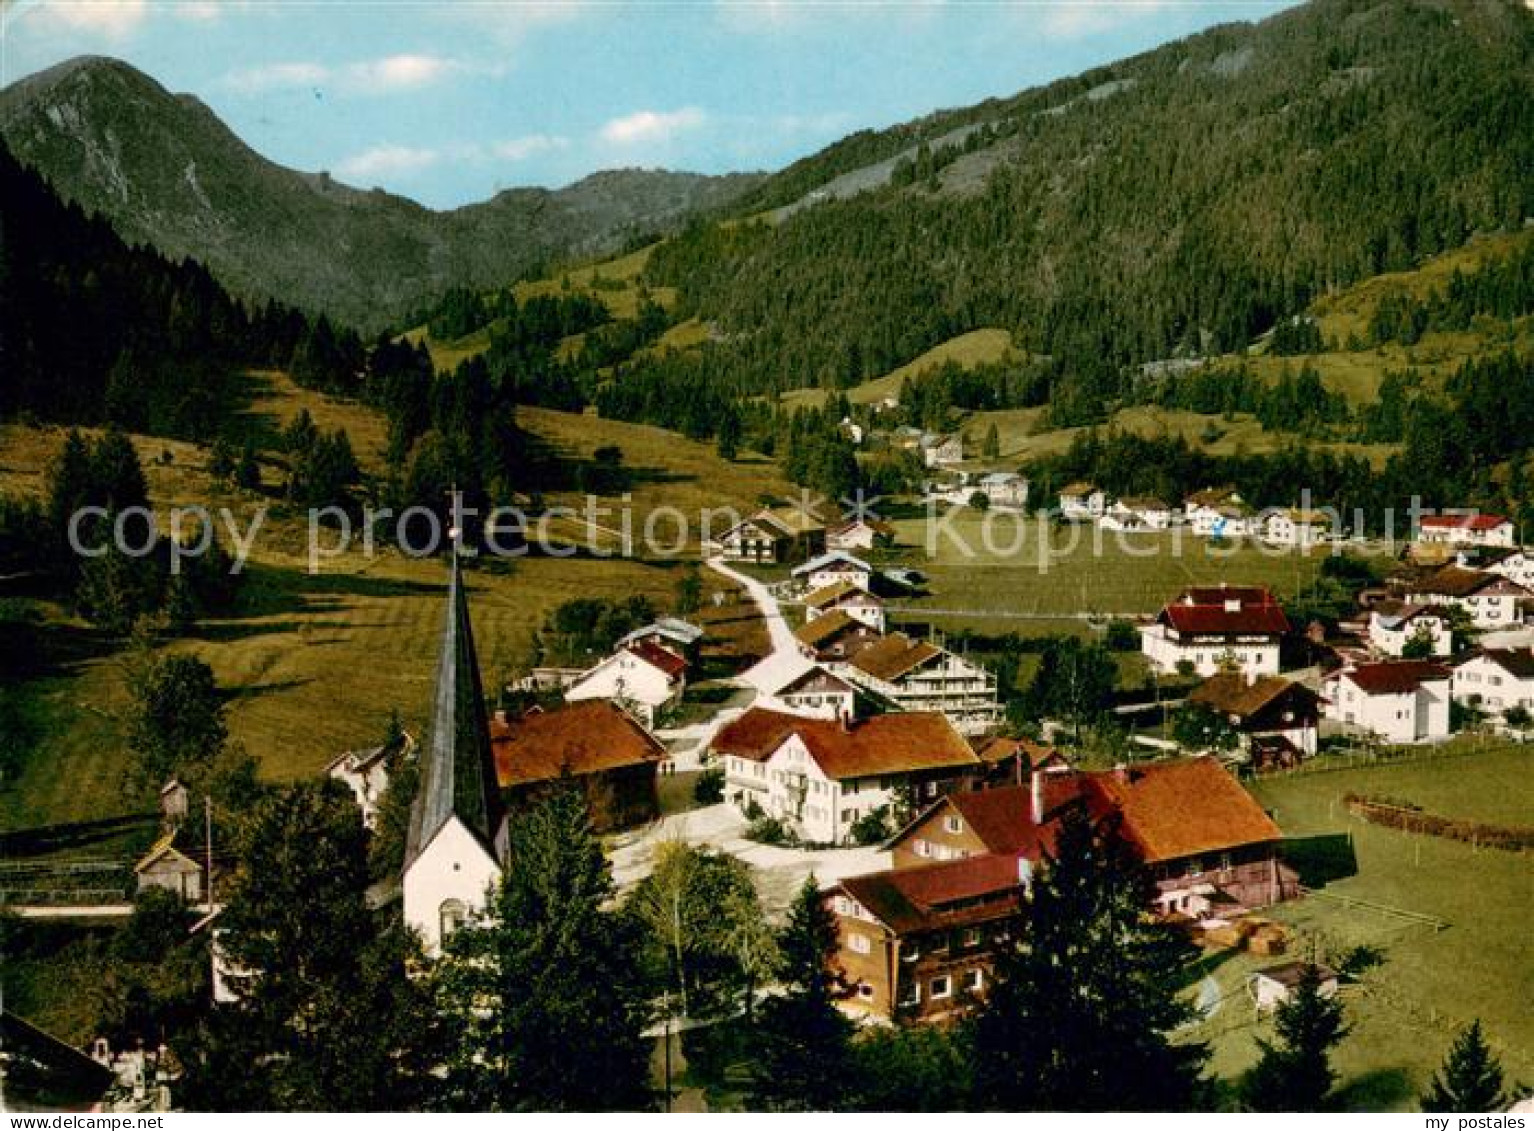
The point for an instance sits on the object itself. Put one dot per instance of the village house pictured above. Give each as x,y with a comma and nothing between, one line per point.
594,745
918,943
1277,718
1003,489
671,633
1490,600
1295,526
1395,624
1468,530
166,867
916,675
1398,701
645,678
834,568
859,534
835,638
1495,680
1009,820
1511,562
1009,761
1138,513
456,842
1217,512
941,451
819,776
1082,502
760,540
847,597
816,693
366,773
1210,627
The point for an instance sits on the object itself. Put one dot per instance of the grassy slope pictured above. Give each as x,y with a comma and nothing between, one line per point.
314,663
1431,983
978,347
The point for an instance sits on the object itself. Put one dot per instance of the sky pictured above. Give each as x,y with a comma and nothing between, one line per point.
452,101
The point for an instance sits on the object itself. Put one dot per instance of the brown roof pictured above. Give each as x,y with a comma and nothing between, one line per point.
1212,496
658,657
1231,693
1000,747
1515,661
939,895
1395,677
823,629
878,526
884,744
1002,818
815,679
1170,810
892,657
1457,581
588,737
1079,488
831,594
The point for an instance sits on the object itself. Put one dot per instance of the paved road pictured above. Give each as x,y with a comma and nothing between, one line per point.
779,634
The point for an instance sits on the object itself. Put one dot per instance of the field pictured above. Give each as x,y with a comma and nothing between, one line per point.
1431,982
977,347
1028,584
312,664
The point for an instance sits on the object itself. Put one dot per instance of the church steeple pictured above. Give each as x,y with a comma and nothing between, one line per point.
458,776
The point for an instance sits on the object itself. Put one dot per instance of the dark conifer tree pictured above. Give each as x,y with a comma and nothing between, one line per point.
1295,1074
1471,1078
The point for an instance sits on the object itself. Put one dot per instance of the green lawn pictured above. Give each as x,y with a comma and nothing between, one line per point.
1431,982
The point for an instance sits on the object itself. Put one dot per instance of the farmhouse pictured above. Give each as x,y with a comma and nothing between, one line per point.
916,675
917,943
1136,513
166,866
1010,820
1009,761
818,776
457,837
859,534
1276,717
1395,624
816,693
1401,701
833,568
1490,599
1295,526
366,773
671,633
1512,563
1217,512
941,451
1495,680
1082,502
1003,488
594,745
760,539
849,598
643,677
834,638
1468,530
1208,627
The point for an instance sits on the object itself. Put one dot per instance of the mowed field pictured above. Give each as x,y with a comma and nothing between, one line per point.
1405,1011
313,663
1027,574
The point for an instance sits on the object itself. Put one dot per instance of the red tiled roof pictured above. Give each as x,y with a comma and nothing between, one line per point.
1394,677
1171,810
583,738
884,744
939,895
1464,521
1203,611
1000,747
658,657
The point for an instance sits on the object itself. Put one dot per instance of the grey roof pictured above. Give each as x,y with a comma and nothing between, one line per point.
458,766
672,628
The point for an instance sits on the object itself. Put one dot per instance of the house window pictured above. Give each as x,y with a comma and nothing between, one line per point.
859,944
923,849
451,915
942,987
971,936
842,906
910,995
865,991
1225,862
973,980
931,789
1195,867
953,824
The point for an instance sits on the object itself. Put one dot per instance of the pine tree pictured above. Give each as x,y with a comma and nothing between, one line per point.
804,1049
1083,1005
543,998
990,448
1296,1073
1471,1078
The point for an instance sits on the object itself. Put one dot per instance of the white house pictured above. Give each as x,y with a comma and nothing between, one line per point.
832,568
646,678
1082,502
1295,526
941,451
819,776
1496,680
1512,563
859,534
1400,701
1468,530
1275,717
672,633
1138,514
1213,626
1003,488
761,539
1394,625
916,675
817,693
851,599
366,773
1490,599
1217,512
457,838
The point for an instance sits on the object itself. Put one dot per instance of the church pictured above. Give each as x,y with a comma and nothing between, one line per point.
457,838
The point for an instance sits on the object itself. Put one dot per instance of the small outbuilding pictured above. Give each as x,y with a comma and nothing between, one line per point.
1273,986
166,866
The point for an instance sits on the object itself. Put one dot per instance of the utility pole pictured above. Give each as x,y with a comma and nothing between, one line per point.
207,825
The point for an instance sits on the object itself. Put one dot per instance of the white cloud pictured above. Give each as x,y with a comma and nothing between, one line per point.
276,76
111,18
387,75
387,161
521,148
1073,19
652,125
398,72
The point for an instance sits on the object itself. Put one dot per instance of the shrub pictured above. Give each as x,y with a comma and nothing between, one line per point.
709,788
872,827
767,830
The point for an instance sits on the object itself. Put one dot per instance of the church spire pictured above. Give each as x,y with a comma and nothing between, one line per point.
458,776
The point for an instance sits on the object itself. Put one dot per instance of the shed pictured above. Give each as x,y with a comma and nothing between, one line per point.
1272,987
166,866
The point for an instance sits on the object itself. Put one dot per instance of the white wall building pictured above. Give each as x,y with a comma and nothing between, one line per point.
1392,628
833,568
1213,627
853,600
1082,502
646,678
1490,599
1399,701
817,694
1293,526
1496,680
916,675
1468,530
